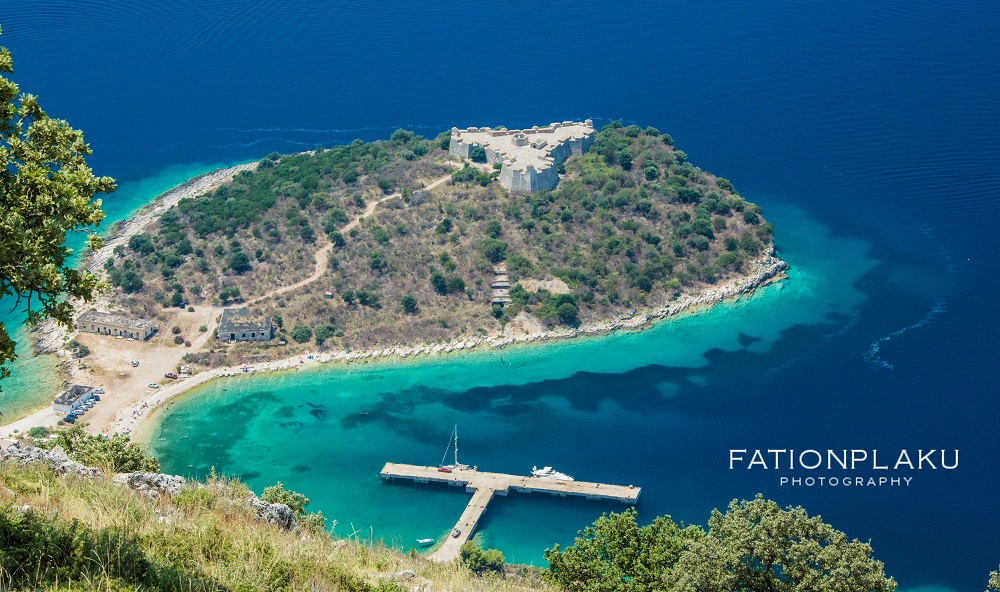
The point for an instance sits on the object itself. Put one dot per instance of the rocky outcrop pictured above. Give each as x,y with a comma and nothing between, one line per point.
276,514
55,459
151,485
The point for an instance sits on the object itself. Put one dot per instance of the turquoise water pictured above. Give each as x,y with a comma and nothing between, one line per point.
327,432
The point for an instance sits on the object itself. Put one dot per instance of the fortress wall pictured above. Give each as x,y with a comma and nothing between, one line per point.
530,180
458,147
507,177
492,157
561,152
527,179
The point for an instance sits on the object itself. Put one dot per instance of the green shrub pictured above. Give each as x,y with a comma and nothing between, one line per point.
494,250
473,557
301,334
409,303
116,454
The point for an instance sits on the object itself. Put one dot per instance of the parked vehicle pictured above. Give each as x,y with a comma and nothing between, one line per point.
135,363
69,419
170,375
153,385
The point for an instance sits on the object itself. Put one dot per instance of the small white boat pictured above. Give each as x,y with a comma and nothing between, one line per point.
425,542
549,473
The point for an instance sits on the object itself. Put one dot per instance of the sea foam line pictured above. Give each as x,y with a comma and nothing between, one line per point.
871,356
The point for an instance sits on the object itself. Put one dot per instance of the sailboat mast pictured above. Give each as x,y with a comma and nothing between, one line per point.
456,445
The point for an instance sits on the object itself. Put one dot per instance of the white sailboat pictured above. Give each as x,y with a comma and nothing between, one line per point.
455,466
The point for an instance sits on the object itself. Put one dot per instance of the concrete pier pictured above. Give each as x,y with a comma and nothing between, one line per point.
485,485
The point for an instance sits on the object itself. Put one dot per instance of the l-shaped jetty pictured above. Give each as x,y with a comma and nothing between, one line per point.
484,485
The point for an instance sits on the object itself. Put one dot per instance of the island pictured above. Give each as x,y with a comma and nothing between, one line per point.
480,237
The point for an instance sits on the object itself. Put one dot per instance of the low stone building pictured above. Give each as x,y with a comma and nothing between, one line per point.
239,324
106,323
528,157
71,399
500,286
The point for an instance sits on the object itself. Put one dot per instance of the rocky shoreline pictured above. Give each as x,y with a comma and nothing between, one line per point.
765,270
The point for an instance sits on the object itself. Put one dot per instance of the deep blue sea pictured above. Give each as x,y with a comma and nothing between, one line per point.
868,131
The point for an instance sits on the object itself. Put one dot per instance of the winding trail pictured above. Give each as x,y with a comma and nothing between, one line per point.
323,254
128,399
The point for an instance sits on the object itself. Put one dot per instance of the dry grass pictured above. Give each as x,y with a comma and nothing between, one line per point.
206,539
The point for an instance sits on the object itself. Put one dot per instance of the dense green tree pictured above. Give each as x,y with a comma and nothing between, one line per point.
439,282
456,284
368,298
756,545
493,229
229,293
323,332
480,561
301,333
239,262
116,454
477,154
349,297
616,554
46,190
493,249
409,303
444,227
625,159
377,262
141,243
567,313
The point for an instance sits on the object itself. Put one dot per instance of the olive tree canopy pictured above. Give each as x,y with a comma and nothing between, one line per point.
46,190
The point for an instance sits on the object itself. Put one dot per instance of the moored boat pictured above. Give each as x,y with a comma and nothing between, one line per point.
549,473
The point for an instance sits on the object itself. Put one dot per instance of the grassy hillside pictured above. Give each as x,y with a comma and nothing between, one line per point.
60,533
631,225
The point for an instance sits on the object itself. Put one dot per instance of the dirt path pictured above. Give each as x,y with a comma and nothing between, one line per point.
323,254
128,397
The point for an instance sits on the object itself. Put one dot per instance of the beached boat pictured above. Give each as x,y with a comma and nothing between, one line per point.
549,473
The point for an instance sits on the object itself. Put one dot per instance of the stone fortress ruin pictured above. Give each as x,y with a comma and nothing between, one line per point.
529,157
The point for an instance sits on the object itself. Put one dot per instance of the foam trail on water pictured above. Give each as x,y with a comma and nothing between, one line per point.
871,356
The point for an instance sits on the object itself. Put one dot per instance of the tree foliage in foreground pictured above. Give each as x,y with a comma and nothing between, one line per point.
115,454
755,545
994,585
479,560
46,190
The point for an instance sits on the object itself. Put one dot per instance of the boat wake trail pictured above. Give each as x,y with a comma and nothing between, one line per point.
872,355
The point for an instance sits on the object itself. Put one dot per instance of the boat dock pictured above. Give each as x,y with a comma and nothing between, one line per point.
484,485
